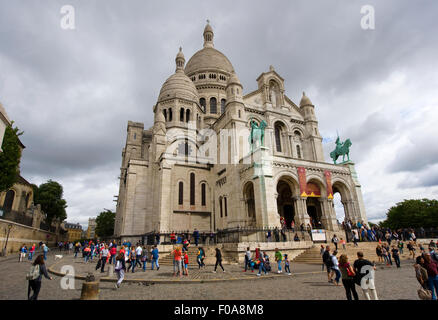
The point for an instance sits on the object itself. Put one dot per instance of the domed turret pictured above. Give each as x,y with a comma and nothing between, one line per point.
178,85
305,101
208,36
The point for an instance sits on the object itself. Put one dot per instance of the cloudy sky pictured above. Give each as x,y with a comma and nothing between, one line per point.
73,91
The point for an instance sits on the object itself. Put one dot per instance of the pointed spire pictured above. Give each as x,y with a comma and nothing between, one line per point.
305,101
180,61
208,35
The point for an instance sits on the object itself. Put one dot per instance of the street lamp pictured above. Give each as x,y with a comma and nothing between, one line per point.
7,238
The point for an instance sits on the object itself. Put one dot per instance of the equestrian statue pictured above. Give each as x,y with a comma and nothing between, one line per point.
342,149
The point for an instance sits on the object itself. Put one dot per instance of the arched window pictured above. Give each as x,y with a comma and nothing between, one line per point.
298,152
213,106
180,192
170,114
278,137
202,103
223,101
181,114
203,194
192,189
9,200
165,114
220,206
187,115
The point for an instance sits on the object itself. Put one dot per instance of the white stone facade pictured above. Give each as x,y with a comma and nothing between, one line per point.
194,167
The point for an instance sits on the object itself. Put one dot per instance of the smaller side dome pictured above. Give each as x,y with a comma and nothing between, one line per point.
159,117
305,101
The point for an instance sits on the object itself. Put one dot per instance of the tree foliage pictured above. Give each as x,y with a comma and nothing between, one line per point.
105,223
10,158
49,196
412,213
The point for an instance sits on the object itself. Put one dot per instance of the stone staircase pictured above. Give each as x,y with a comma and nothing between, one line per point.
313,256
210,255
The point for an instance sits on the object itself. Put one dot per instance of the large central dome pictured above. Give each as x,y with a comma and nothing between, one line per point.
208,58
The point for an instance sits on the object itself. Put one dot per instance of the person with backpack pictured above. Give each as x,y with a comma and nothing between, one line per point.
45,251
120,268
278,259
328,263
37,271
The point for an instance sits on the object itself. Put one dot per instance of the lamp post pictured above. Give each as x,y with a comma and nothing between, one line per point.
7,239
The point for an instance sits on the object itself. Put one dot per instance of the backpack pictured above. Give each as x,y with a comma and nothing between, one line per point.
34,272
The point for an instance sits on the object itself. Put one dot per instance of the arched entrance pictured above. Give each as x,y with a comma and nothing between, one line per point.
314,209
9,200
341,197
285,202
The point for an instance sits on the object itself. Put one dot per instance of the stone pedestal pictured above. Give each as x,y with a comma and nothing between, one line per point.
90,291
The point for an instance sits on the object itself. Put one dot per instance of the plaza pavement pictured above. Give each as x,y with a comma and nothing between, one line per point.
306,283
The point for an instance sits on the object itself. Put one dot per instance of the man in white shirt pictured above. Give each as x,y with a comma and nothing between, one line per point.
138,252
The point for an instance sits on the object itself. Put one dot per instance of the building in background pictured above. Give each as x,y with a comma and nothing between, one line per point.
74,231
91,230
4,122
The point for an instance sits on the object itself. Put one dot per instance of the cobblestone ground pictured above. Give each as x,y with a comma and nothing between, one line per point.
391,283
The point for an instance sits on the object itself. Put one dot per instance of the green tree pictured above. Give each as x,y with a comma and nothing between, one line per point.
412,213
105,223
10,157
49,196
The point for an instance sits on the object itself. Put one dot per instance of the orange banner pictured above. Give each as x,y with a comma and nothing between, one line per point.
302,181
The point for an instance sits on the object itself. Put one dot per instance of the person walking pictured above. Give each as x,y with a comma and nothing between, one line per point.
411,248
347,274
132,260
45,251
120,268
379,253
103,257
77,248
327,261
355,237
144,258
321,252
364,270
278,259
138,254
335,267
37,271
261,260
218,260
155,257
87,254
287,265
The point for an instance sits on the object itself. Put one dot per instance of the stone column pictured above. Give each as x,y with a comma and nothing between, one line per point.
330,221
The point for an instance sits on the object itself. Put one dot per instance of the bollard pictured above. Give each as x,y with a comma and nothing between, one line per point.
90,288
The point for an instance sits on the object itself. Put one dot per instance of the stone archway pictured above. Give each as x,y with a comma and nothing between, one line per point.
9,201
287,194
314,206
341,190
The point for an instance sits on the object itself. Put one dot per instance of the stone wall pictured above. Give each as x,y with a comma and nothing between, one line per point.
21,234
